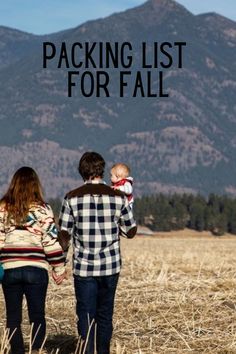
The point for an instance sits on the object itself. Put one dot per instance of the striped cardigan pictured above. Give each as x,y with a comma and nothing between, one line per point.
34,243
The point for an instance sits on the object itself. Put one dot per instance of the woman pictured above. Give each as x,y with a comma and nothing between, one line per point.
28,243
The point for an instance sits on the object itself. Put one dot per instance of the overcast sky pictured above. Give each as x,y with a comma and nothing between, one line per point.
47,16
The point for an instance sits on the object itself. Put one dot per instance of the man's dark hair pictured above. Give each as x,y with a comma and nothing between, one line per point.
91,165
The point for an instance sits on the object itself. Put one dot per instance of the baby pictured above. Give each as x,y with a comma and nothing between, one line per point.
120,179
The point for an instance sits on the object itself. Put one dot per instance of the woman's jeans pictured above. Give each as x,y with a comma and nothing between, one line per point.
31,282
95,302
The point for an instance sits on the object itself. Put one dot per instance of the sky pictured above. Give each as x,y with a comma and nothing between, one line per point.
48,16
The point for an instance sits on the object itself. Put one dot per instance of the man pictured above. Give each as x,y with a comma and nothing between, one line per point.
94,215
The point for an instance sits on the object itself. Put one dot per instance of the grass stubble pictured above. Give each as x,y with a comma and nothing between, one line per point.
175,295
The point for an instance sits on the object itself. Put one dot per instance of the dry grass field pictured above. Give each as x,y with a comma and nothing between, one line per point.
176,294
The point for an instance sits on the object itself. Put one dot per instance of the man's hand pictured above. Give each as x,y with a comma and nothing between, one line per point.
59,278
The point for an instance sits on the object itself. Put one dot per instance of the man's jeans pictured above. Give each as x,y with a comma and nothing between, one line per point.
31,282
95,301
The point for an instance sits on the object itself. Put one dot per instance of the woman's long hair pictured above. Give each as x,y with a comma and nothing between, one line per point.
24,191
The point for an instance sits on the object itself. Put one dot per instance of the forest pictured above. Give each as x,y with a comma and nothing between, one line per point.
175,212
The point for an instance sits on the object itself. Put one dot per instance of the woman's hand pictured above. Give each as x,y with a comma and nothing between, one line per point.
59,278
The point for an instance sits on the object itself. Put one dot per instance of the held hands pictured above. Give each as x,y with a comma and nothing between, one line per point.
59,278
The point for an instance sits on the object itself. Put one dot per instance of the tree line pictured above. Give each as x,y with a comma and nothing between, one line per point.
175,212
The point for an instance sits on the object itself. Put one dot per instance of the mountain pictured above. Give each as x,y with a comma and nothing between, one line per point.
185,142
15,45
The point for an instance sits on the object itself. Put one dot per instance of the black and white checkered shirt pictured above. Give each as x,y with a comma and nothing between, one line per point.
94,215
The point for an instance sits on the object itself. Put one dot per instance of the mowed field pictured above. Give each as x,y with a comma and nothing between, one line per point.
176,294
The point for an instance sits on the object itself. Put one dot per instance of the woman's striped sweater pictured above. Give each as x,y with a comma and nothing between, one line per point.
34,243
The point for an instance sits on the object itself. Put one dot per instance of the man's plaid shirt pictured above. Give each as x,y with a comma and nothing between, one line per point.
94,215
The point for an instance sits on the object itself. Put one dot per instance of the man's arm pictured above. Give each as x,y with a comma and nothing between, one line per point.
64,239
130,234
66,224
127,223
